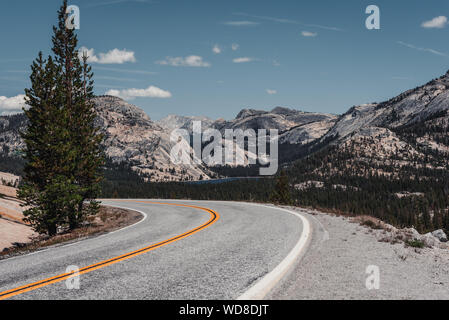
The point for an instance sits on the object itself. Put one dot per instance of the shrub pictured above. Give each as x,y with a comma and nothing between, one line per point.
415,243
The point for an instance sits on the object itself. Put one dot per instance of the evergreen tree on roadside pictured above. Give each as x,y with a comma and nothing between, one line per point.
62,150
281,193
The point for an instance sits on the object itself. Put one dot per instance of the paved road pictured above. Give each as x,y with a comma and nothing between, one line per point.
222,260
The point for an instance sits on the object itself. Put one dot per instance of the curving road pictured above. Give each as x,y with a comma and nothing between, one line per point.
180,250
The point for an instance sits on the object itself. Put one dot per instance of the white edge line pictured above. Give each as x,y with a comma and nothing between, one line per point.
263,286
84,240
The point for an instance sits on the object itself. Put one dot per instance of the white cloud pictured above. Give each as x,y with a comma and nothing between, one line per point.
190,61
288,21
130,94
276,63
323,27
115,56
437,22
241,23
107,3
243,60
411,46
12,104
125,70
235,46
216,49
274,19
271,91
309,34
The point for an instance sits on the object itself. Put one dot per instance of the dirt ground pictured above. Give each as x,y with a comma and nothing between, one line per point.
108,220
12,228
11,232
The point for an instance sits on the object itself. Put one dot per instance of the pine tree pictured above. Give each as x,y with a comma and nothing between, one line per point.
62,142
281,193
42,148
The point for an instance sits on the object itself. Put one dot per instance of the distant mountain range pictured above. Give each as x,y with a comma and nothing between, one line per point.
410,129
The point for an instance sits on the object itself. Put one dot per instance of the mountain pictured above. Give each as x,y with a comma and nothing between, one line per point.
408,108
131,137
295,127
388,160
407,130
173,122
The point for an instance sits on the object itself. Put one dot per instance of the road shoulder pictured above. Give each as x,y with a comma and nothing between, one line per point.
335,265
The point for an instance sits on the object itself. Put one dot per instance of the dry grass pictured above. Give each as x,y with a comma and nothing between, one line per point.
107,220
370,222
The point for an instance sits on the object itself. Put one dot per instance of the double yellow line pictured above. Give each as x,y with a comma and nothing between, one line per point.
214,217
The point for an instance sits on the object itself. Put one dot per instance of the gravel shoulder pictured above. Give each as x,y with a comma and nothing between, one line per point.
334,266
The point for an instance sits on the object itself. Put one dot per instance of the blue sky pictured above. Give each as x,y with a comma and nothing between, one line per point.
213,58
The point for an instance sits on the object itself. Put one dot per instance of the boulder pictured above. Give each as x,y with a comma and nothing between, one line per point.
440,235
429,240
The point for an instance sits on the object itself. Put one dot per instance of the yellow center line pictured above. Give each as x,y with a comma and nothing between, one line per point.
214,217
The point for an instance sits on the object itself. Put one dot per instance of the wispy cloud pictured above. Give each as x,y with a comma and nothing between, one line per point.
437,22
150,92
235,46
309,34
190,61
287,21
217,49
273,19
271,91
112,2
324,27
243,60
115,79
241,23
115,56
411,46
125,70
107,86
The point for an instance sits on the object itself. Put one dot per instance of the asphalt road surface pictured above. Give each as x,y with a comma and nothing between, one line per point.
180,250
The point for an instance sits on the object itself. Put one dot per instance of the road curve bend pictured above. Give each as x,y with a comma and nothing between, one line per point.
180,250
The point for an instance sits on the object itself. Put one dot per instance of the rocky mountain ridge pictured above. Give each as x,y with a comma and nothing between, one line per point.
131,137
407,130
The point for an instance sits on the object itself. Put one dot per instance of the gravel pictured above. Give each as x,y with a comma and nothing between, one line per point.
335,265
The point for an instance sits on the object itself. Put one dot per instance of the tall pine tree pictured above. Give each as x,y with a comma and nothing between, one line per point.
63,150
